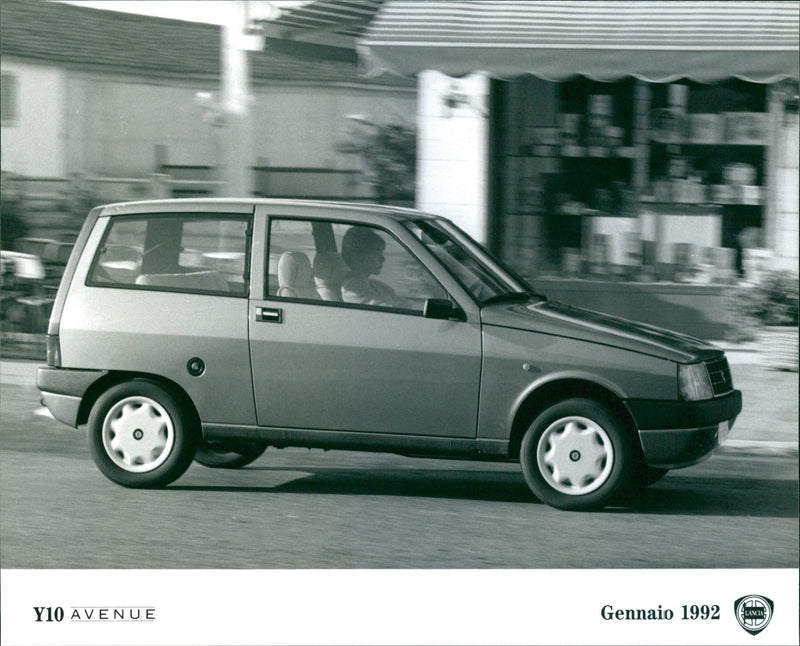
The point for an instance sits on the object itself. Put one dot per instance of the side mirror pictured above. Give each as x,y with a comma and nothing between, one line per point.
440,308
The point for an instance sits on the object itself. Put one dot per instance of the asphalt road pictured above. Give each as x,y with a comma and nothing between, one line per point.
295,508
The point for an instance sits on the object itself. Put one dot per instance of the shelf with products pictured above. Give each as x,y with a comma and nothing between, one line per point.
596,120
598,152
677,208
707,174
708,144
577,152
581,118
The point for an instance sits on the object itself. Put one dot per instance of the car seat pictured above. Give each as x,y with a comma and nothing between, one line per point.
208,281
329,273
294,276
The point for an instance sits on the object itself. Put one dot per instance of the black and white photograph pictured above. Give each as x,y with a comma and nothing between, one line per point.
399,322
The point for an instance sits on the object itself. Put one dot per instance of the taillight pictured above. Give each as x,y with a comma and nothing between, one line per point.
53,351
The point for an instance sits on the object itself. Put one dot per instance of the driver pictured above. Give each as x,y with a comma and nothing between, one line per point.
362,252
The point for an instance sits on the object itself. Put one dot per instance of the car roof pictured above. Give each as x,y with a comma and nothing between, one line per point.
239,205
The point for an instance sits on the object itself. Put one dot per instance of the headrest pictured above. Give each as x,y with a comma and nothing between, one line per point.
294,268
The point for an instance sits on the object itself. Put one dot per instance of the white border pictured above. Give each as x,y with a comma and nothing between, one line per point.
289,607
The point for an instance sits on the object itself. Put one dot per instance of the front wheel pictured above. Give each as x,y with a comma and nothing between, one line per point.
228,455
140,436
576,455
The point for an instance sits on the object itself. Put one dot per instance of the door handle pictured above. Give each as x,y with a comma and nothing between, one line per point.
269,315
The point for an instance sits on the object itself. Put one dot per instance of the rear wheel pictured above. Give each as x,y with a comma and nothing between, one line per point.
228,454
140,436
576,455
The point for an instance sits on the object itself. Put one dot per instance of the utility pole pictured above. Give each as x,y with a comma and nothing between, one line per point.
238,38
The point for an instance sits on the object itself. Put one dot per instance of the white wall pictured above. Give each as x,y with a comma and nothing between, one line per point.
787,199
110,125
115,124
453,149
33,142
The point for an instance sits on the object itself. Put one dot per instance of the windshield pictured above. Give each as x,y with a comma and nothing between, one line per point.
478,271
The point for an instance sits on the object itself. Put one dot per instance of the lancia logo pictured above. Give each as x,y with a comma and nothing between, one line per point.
753,612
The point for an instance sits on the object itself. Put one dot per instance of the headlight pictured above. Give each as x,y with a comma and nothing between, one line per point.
694,382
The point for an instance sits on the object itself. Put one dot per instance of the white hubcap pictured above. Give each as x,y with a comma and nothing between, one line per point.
575,455
138,434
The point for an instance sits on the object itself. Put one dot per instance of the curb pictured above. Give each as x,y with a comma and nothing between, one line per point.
758,448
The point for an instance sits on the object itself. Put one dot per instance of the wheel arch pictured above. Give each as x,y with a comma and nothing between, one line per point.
539,398
117,377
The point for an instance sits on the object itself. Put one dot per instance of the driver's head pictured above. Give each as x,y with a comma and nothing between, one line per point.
362,250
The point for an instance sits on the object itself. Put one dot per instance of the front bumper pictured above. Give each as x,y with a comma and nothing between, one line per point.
677,434
63,390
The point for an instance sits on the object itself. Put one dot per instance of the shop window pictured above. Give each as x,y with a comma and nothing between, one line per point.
626,177
8,99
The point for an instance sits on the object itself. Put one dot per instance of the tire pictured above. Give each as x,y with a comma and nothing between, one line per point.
228,455
576,455
140,436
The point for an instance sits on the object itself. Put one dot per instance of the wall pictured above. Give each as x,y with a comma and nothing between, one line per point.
33,142
110,125
290,125
114,125
453,149
787,241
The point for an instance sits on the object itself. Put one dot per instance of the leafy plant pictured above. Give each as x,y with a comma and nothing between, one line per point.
388,153
773,301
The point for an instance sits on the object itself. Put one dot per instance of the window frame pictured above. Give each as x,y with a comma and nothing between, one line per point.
184,216
266,296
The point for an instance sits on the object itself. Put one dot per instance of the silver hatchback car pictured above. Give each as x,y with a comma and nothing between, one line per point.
211,329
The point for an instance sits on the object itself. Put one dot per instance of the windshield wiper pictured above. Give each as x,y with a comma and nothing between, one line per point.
510,297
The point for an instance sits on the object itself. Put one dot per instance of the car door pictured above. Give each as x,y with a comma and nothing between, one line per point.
166,293
359,366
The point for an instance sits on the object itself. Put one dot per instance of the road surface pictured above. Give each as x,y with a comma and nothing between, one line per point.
296,508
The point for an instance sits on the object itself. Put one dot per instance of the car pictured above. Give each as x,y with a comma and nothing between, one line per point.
212,329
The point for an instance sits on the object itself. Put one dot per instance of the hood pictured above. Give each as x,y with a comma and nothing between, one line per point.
549,317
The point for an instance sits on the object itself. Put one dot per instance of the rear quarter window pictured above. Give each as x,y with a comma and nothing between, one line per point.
203,254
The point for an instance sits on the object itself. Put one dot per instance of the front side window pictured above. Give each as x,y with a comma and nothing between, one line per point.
484,276
344,263
195,254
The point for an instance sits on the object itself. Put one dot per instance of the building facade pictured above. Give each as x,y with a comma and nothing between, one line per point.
630,138
105,93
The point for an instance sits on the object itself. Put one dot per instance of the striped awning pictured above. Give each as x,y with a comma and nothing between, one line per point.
654,41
